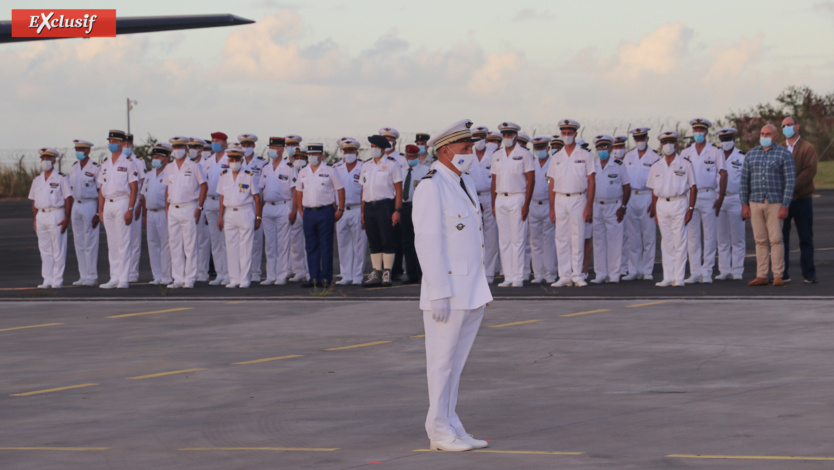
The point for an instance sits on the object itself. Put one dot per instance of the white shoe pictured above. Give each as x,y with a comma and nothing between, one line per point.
455,445
267,282
133,279
216,281
244,285
678,284
299,278
615,280
109,285
56,286
90,283
631,277
153,283
723,277
580,283
693,279
537,280
706,280
737,277
203,279
79,282
647,277
475,443
225,281
122,285
664,283
344,282
505,284
563,282
174,285
518,284
231,285
166,282
550,280
188,285
44,286
599,280
358,282
281,282
490,279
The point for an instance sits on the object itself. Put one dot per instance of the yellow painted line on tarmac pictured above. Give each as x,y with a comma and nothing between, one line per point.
513,323
234,303
74,449
528,452
587,313
30,326
163,374
151,313
745,457
50,390
357,346
648,304
419,336
292,449
266,359
391,287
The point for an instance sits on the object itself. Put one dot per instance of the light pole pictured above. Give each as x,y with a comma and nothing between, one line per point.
130,104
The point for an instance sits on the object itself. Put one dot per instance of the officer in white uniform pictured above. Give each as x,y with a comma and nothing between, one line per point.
542,230
254,164
213,166
556,144
83,178
186,194
195,153
51,198
420,140
156,219
524,141
298,253
136,227
613,190
672,182
482,175
411,174
240,215
641,227
393,136
572,191
449,240
118,179
711,180
277,186
730,230
350,236
618,152
513,182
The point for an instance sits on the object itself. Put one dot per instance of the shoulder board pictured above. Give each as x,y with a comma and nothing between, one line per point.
618,162
94,163
687,159
329,164
657,161
76,163
247,172
224,172
743,153
429,174
339,163
392,159
260,157
61,173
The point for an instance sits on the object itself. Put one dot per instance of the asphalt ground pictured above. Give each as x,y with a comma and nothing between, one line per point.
20,272
573,384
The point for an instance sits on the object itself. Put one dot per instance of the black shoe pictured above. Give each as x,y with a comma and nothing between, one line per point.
786,279
308,284
810,281
386,278
374,279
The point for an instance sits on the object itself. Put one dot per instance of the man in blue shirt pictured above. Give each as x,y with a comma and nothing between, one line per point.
767,183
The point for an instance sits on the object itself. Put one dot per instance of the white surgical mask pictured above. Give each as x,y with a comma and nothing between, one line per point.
392,147
192,153
480,145
618,154
568,139
668,149
492,146
248,151
376,152
313,160
728,145
508,142
46,165
641,146
463,161
350,157
289,151
299,164
206,153
235,166
179,153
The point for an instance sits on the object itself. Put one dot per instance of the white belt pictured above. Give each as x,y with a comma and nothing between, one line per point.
509,194
214,198
607,201
730,194
705,190
570,194
641,191
235,209
116,199
183,204
351,206
670,199
81,201
275,203
542,202
155,210
50,209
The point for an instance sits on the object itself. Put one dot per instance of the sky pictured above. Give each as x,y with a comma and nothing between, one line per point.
326,69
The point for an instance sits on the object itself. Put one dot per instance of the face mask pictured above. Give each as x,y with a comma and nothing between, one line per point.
376,152
313,160
618,154
480,145
641,146
216,147
602,154
248,151
179,153
668,149
289,151
413,162
235,166
113,147
46,165
508,142
765,141
127,151
156,163
492,146
350,157
541,154
422,150
393,145
728,145
205,153
463,162
80,155
568,139
273,154
192,153
788,131
699,137
299,164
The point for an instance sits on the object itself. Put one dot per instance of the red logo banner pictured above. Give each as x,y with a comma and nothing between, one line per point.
63,23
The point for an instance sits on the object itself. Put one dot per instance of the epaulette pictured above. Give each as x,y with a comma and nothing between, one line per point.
429,174
94,163
60,173
618,162
224,172
391,158
687,159
339,163
247,172
260,157
329,164
76,163
743,153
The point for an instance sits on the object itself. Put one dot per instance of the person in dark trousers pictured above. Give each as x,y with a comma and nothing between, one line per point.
801,211
412,174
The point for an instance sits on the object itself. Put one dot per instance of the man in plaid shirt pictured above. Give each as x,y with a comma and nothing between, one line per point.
767,183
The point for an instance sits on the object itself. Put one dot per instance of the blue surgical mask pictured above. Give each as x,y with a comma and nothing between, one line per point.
699,137
788,131
422,150
113,147
413,162
273,154
216,147
542,154
127,151
156,163
765,141
602,154
80,155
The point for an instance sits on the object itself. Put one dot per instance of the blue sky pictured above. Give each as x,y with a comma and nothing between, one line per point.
324,69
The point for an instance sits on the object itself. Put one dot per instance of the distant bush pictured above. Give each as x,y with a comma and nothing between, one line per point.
15,181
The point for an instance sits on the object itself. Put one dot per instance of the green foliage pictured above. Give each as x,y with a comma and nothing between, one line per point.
15,181
144,151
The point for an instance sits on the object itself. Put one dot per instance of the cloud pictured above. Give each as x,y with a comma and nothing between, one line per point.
497,74
529,14
731,62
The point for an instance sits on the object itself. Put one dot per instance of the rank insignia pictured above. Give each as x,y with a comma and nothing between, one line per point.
460,226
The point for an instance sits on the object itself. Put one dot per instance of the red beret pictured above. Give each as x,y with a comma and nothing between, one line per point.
219,135
411,148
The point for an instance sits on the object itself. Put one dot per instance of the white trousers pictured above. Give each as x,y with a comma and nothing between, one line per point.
298,252
512,233
216,237
731,237
257,253
203,247
642,234
353,244
447,348
542,240
492,262
159,251
624,251
671,216
276,225
570,234
85,238
52,245
118,239
239,230
703,215
135,245
608,241
182,238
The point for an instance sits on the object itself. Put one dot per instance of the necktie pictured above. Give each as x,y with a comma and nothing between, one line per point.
407,186
466,192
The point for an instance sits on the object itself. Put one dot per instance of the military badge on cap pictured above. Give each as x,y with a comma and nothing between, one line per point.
523,138
293,139
389,132
162,148
82,144
540,141
640,131
179,140
457,132
47,152
116,134
315,148
480,131
219,136
620,140
247,138
128,137
568,124
508,126
727,131
700,123
276,141
603,139
557,139
669,136
493,137
421,137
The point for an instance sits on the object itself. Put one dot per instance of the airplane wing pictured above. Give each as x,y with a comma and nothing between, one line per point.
147,24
